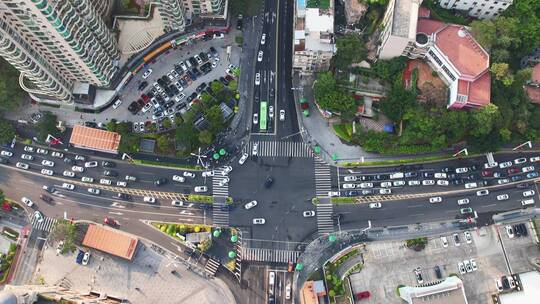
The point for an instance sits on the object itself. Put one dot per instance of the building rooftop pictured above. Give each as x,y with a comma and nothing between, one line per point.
95,139
469,58
480,90
449,290
110,241
428,26
533,86
404,17
530,281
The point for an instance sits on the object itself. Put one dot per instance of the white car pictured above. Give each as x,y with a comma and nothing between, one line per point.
38,216
281,115
80,157
398,183
147,73
87,179
528,193
47,172
263,39
27,201
376,205
386,184
440,175
444,241
473,264
57,154
258,221
145,109
31,149
188,174
471,185
468,237
521,160
532,159
117,104
509,231
502,197
219,36
433,200
224,181
443,182
255,118
121,184
199,189
130,178
68,186
428,182
414,183
6,153
22,165
483,192
348,186
226,170
385,191
255,149
68,173
27,156
243,159
42,151
207,173
350,178
250,205
271,112
47,163
105,181
94,191
462,170
503,181
149,199
260,56
177,203
490,165
90,164
257,78
463,201
86,258
527,169
505,164
333,193
309,213
467,264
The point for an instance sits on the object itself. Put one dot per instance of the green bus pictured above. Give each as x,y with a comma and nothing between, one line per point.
262,116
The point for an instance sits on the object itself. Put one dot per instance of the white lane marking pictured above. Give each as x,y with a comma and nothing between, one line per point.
117,213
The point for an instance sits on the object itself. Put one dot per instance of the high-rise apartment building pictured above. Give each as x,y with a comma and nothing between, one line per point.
483,9
58,46
204,8
314,43
172,14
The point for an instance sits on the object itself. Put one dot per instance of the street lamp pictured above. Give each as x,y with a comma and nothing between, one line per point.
464,151
527,143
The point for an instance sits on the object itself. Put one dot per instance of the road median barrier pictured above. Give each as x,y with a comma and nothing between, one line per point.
153,163
343,200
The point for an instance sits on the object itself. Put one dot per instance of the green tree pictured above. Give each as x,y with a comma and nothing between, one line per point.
506,135
167,124
163,143
7,133
111,125
233,85
397,101
207,99
215,119
206,137
46,126
2,196
502,72
216,86
386,70
483,120
187,137
324,85
350,49
11,94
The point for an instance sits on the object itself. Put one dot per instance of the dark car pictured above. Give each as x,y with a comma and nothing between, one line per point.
142,85
90,124
363,295
457,182
268,182
108,164
213,51
160,181
239,24
209,90
166,79
193,61
523,228
350,193
516,178
224,81
183,82
523,185
366,178
201,87
448,169
79,257
134,107
192,75
161,82
506,284
110,173
169,104
196,72
46,198
475,167
411,174
382,176
513,171
68,160
111,222
123,196
203,56
428,174
438,272
3,160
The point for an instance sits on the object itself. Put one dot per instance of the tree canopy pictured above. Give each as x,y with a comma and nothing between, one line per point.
11,94
47,125
7,133
350,49
332,97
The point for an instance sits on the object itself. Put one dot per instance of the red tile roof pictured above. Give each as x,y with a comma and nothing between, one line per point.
95,139
110,241
462,50
424,12
532,90
480,90
536,73
428,26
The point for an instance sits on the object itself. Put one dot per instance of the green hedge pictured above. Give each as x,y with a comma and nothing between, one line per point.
165,164
343,200
343,131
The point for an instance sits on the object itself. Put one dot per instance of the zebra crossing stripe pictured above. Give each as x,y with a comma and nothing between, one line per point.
282,149
211,267
270,255
45,225
325,224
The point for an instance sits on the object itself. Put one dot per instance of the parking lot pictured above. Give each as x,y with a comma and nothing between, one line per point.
177,77
394,264
149,276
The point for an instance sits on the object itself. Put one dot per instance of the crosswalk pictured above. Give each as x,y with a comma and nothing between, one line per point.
325,223
220,185
211,267
220,212
323,178
238,261
281,149
269,255
46,225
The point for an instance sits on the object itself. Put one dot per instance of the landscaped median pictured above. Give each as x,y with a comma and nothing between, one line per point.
165,164
400,161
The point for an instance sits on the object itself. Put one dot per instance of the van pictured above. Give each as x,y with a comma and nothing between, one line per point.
271,278
396,175
527,202
188,64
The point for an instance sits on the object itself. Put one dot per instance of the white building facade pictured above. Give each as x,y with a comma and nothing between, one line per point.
482,9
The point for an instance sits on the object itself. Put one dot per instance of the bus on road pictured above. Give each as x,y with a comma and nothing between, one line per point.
262,116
